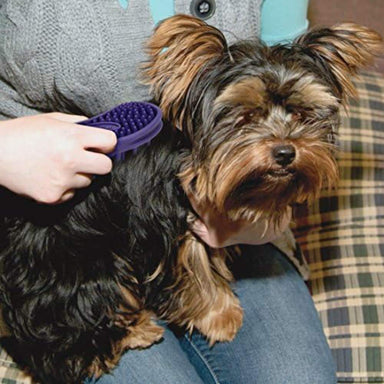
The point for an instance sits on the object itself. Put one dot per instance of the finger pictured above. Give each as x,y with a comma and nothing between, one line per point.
81,180
98,139
67,117
201,230
68,195
93,163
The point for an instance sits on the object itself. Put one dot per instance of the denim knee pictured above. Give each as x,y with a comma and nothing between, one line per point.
281,340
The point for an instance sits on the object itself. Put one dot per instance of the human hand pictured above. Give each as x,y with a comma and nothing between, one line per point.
218,231
47,157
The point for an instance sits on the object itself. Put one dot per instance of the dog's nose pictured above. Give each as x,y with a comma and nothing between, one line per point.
284,154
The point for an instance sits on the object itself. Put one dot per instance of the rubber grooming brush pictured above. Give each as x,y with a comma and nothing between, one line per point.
134,124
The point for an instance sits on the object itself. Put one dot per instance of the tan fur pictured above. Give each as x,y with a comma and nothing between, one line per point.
178,49
314,93
249,93
203,298
224,318
246,156
348,48
142,334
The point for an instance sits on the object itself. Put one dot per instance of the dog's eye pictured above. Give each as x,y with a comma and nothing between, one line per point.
296,116
251,114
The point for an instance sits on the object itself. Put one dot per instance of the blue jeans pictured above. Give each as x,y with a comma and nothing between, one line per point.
281,340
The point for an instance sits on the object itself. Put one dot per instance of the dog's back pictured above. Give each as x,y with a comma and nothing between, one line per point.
67,269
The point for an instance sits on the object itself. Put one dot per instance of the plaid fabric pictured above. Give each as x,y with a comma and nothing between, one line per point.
9,373
342,237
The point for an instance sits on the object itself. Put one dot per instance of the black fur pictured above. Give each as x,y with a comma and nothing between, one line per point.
62,265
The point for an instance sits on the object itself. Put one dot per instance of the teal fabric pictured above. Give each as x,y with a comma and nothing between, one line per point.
283,20
161,9
124,3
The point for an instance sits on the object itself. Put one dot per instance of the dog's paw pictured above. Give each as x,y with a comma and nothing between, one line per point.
221,325
143,335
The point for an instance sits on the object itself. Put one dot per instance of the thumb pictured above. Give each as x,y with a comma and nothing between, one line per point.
67,118
209,237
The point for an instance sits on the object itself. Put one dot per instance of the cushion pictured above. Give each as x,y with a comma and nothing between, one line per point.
342,236
9,373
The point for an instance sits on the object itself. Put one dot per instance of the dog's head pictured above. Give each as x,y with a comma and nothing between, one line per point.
261,120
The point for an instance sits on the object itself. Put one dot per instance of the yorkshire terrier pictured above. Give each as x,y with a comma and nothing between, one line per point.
86,280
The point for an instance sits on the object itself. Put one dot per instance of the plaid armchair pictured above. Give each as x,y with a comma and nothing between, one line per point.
342,236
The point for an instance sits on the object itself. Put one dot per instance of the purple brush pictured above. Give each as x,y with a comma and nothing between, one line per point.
134,124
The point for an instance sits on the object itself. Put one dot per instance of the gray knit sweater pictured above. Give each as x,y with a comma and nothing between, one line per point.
82,56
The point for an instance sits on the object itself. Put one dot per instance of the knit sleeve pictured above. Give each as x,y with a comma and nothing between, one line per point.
73,56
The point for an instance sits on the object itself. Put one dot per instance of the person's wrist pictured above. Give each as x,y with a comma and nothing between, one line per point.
5,127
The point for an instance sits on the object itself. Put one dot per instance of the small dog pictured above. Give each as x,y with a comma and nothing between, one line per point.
84,281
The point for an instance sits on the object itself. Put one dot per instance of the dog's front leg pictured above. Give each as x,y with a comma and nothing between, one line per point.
203,297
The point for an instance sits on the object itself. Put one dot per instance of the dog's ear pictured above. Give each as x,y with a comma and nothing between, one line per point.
342,51
181,48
